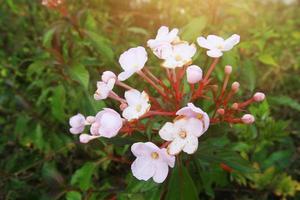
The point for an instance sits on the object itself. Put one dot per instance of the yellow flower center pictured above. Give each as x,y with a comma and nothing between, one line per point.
178,58
182,134
154,155
138,108
220,47
199,116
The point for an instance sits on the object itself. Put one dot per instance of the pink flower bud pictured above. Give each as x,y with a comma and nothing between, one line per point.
221,111
228,69
85,138
235,86
248,119
194,74
235,106
107,75
123,106
259,96
89,120
77,123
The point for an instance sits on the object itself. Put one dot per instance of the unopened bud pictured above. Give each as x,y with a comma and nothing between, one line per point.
228,69
235,106
235,86
89,120
259,96
193,74
123,106
248,119
221,111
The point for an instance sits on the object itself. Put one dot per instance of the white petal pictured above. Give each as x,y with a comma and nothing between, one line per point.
194,127
143,149
167,157
125,75
161,172
143,168
76,130
167,131
162,31
231,41
215,41
206,122
132,97
214,53
191,145
130,113
176,146
204,43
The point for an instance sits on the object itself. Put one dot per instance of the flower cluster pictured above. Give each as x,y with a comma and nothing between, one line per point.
168,99
52,3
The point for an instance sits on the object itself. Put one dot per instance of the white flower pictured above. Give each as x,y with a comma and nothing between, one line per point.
138,104
105,86
217,45
183,135
151,161
182,54
161,45
192,111
132,61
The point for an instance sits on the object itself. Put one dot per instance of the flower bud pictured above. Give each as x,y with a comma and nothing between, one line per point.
89,120
194,74
235,106
123,106
221,111
228,69
259,96
77,123
235,86
248,119
85,138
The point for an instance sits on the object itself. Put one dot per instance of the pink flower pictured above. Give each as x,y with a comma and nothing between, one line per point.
105,86
151,161
193,74
248,119
192,111
162,44
77,123
132,61
107,123
52,3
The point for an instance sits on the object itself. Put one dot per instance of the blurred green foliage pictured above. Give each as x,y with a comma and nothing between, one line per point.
49,66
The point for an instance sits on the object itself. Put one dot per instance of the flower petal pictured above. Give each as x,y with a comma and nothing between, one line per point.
143,149
132,96
125,75
204,43
214,53
231,42
161,172
130,113
194,127
191,145
176,146
167,131
167,157
143,168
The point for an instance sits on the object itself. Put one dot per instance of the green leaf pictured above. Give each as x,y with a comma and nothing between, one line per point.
193,29
58,102
268,60
181,185
285,101
48,37
79,73
102,45
73,195
138,30
83,176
